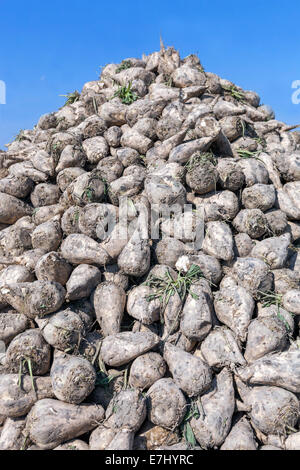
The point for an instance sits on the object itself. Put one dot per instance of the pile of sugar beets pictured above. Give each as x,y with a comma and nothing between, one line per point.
141,342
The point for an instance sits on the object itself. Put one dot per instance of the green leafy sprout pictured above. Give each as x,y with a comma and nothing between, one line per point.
104,380
125,64
169,81
234,92
23,447
271,298
244,153
261,141
23,362
89,193
143,160
200,68
126,95
20,136
76,216
165,287
186,427
243,124
106,186
71,97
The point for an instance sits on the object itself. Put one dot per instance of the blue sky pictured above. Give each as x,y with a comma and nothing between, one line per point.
53,47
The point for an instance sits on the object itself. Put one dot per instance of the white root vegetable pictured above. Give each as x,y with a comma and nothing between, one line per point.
127,410
109,302
62,330
202,176
280,370
72,378
11,324
291,301
80,249
252,274
28,351
285,280
164,190
213,425
150,437
94,219
71,156
221,348
141,307
243,245
259,196
130,184
115,242
101,437
121,348
273,410
16,186
280,313
43,214
146,370
189,372
15,273
293,442
45,194
82,281
47,236
11,437
123,440
234,307
168,250
34,299
52,267
12,209
18,395
231,176
218,241
265,335
277,221
51,422
113,274
273,250
251,221
254,171
95,148
210,266
241,437
67,176
134,259
167,405
196,318
223,205
183,152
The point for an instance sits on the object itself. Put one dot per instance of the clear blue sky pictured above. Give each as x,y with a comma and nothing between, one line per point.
52,47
